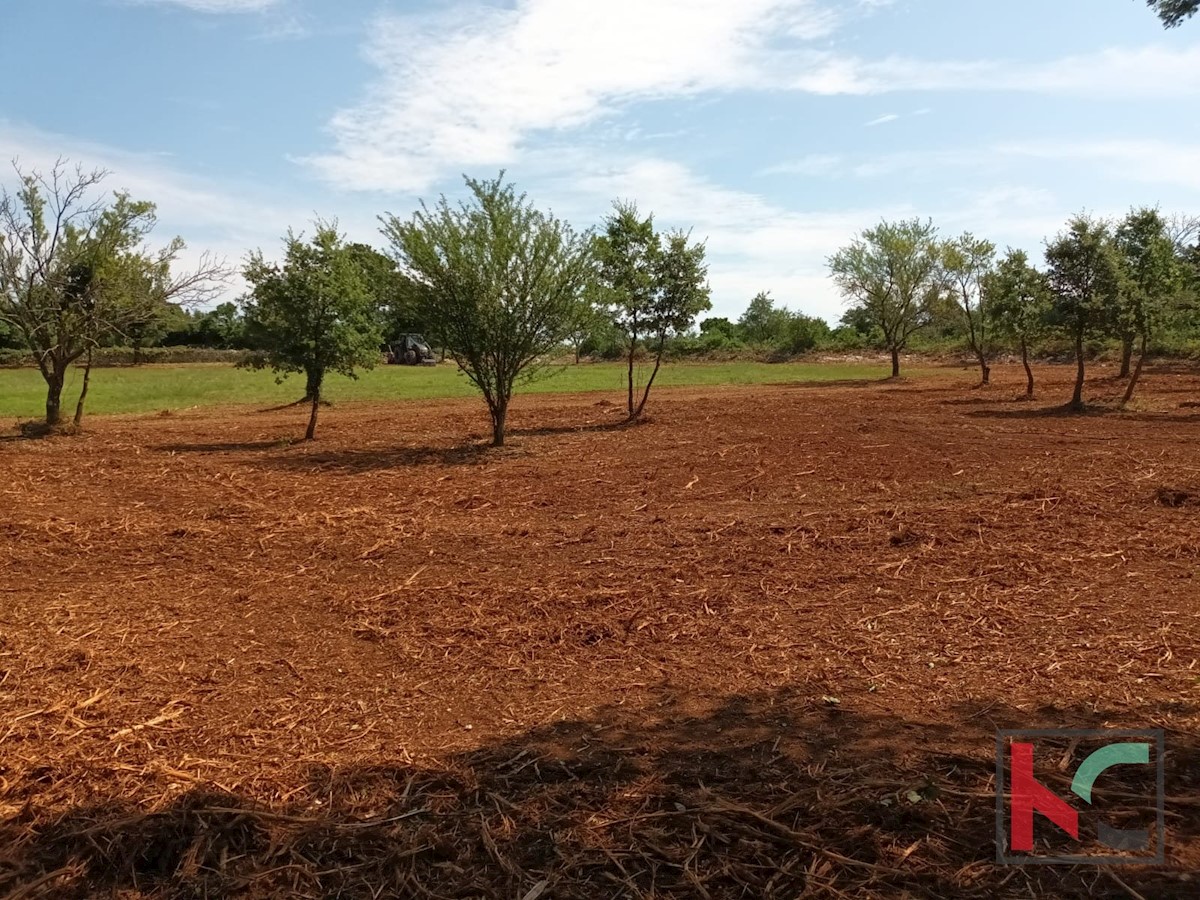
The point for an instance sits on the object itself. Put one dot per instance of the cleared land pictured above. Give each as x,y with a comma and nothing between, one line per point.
758,646
164,387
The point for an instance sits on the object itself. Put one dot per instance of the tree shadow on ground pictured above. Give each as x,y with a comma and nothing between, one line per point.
769,796
1094,411
229,446
351,461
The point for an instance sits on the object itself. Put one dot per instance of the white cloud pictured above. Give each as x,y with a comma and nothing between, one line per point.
467,87
1147,161
1115,73
882,120
214,6
464,88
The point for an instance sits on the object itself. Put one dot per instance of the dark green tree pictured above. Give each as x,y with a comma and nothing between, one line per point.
1017,302
1084,273
1174,12
1153,281
763,323
498,281
313,313
653,286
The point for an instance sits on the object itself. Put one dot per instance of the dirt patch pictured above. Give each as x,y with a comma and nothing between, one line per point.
716,655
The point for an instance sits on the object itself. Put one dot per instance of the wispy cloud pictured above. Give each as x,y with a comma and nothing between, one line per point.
882,120
466,87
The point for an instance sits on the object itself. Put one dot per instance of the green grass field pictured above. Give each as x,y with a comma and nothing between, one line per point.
152,388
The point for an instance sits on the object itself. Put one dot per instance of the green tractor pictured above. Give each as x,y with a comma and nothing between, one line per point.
410,350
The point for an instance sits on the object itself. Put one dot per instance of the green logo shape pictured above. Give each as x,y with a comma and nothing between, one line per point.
1104,759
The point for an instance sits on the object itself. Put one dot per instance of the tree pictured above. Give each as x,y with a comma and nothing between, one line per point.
654,287
763,322
314,313
1017,301
1084,274
1153,278
890,276
1174,12
499,281
75,270
966,262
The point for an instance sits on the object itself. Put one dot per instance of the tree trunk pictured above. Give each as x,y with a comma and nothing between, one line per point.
83,391
311,433
54,389
1137,373
985,371
312,383
632,345
1126,355
137,353
499,413
1077,397
1028,370
646,393
895,362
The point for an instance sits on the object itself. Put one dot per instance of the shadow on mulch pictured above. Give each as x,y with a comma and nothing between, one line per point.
771,796
1091,411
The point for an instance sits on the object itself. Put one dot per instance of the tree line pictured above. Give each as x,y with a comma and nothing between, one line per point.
500,285
1124,280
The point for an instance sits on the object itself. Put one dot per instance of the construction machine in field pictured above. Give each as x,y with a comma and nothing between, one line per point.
410,350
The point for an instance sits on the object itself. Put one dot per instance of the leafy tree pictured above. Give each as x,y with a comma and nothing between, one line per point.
499,281
1084,274
719,325
890,275
313,313
967,260
1153,278
802,333
763,323
654,287
1174,12
75,270
589,325
1017,300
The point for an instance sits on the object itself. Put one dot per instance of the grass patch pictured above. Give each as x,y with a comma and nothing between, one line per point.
152,388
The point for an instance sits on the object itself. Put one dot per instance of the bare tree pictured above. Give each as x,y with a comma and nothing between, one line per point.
74,270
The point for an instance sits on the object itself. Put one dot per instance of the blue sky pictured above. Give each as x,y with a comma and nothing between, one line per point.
775,129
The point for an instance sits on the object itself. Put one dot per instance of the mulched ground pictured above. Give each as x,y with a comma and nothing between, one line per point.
758,646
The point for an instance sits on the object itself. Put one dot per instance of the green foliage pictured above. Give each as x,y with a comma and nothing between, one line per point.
891,277
1174,12
1017,298
653,287
75,272
1153,276
802,333
966,264
313,313
1085,278
763,323
499,282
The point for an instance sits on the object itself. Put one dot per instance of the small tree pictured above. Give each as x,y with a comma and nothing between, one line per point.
499,281
653,288
75,271
763,323
314,313
1153,278
1084,274
967,260
1017,301
890,275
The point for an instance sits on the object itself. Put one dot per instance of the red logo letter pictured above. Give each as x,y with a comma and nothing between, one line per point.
1028,796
